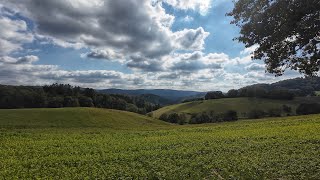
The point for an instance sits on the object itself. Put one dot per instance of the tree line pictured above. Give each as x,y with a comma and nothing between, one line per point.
199,118
232,115
282,90
253,91
65,95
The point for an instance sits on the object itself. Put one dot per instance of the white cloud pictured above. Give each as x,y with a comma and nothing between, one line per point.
136,33
13,33
255,67
106,54
188,63
141,63
8,60
240,60
202,6
21,60
249,50
129,26
23,71
190,39
187,19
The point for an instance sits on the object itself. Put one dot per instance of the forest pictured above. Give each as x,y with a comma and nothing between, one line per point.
282,90
65,95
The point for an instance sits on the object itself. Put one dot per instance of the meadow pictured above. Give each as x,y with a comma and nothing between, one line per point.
88,143
242,105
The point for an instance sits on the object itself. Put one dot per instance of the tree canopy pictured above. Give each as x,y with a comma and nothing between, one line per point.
65,95
287,33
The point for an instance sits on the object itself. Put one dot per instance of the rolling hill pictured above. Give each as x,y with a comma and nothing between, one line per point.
76,118
167,96
242,105
88,143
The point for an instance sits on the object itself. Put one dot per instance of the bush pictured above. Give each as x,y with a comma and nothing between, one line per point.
232,93
274,113
173,118
256,114
192,100
85,101
70,102
304,109
230,116
286,108
55,102
182,119
214,95
211,117
164,117
281,94
200,118
142,111
132,108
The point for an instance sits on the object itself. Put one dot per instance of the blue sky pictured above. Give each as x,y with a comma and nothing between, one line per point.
125,44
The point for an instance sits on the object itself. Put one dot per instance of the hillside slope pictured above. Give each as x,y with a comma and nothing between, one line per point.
274,148
76,118
242,105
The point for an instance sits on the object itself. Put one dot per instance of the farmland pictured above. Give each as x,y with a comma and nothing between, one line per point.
242,105
79,143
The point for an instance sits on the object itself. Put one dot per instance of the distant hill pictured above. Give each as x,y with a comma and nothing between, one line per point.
155,99
76,118
165,96
300,86
298,83
243,106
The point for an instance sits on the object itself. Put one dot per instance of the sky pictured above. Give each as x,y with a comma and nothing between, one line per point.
128,44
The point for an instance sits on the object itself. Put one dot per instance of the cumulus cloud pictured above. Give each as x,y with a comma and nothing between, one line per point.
169,76
202,6
104,54
142,63
131,26
191,39
187,19
88,76
249,50
240,60
13,33
137,33
196,61
8,60
27,59
255,67
22,71
27,73
21,60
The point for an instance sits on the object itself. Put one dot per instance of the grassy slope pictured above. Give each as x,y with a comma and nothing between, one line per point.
76,117
241,105
275,148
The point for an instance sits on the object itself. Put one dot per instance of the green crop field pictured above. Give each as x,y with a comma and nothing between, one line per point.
242,105
87,143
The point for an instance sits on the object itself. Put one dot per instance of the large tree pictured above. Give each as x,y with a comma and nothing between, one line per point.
287,33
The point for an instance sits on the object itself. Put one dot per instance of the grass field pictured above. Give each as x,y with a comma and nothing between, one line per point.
80,143
242,105
76,118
